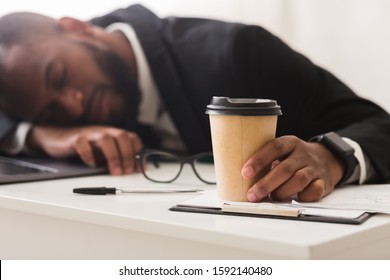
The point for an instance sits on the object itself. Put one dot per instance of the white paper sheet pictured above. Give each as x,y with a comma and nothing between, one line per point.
370,198
209,199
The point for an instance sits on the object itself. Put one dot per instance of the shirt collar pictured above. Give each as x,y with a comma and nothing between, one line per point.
150,100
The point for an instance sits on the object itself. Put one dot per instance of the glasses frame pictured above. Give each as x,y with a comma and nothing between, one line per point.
181,159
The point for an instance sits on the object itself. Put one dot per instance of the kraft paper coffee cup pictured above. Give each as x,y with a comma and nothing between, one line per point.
239,128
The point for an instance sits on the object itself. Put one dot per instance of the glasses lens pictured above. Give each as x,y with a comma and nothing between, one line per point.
161,167
204,166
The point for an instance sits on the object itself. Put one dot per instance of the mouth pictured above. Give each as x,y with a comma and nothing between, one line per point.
97,106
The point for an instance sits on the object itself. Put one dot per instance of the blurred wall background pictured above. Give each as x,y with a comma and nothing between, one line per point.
351,38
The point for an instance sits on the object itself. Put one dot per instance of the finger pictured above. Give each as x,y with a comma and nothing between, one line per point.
261,161
137,147
128,144
296,184
281,172
274,164
126,152
110,151
84,149
313,192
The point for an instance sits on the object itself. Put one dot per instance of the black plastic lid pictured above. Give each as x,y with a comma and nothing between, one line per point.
220,105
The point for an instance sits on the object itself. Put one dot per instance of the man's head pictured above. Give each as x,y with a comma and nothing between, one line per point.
64,72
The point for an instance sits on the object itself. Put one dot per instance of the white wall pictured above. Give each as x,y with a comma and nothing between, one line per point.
349,37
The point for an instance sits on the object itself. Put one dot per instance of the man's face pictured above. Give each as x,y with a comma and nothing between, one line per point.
68,82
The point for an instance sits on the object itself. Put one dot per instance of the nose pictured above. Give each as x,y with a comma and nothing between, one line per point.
72,100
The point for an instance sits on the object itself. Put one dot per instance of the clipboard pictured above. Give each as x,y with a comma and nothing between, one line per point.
207,203
301,217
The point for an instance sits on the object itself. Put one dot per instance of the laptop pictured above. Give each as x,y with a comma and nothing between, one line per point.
26,169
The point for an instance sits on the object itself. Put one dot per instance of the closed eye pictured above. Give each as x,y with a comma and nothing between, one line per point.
56,75
60,81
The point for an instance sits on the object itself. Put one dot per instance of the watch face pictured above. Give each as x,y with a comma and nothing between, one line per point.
338,144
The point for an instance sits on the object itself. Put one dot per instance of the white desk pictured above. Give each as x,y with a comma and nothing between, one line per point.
45,220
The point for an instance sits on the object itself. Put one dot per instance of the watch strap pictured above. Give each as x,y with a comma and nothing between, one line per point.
341,149
351,163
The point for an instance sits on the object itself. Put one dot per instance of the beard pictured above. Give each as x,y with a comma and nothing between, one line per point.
123,82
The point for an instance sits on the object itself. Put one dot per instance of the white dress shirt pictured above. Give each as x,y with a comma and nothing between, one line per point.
151,109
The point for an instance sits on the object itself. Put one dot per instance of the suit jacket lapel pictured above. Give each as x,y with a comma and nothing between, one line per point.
148,29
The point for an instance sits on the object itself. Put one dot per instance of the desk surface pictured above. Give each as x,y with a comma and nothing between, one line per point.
46,220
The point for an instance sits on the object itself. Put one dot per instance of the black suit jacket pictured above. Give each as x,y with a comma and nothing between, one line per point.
193,59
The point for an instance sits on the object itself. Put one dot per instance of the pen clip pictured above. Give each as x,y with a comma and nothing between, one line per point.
97,190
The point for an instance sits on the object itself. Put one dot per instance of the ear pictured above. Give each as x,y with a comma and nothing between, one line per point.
74,25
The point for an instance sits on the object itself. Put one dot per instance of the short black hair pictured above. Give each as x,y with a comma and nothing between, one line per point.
22,28
25,27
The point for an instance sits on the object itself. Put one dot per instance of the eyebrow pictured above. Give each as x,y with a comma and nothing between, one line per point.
48,68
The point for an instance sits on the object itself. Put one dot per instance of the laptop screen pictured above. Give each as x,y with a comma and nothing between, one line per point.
14,170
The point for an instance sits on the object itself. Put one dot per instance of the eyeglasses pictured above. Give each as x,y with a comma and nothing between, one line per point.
165,167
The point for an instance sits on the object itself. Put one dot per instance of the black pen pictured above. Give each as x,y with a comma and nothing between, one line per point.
105,190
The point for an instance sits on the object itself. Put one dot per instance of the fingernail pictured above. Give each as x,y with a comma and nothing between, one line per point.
274,164
252,197
248,171
117,170
91,163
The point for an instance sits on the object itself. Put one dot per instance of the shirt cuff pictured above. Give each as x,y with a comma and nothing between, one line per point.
15,142
363,170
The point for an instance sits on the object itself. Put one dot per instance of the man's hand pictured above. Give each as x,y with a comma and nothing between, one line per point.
117,146
288,166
